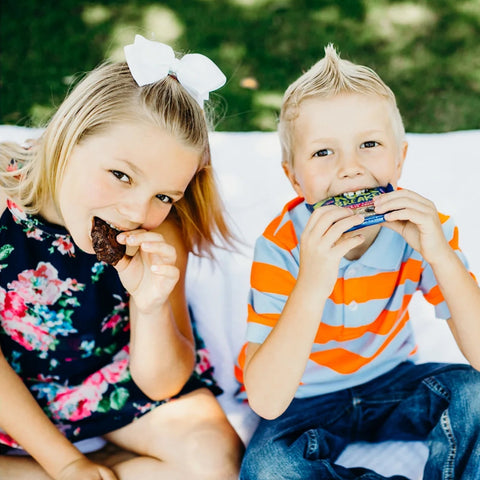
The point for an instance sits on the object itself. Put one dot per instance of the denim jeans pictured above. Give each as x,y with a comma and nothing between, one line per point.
437,403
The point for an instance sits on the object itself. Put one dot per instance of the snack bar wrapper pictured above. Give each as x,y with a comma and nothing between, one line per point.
360,201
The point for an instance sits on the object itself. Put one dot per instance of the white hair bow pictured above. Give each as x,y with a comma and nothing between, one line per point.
151,61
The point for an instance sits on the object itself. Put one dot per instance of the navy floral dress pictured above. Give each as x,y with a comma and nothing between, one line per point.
65,330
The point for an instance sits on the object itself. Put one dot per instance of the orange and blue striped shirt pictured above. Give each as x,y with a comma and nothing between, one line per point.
365,329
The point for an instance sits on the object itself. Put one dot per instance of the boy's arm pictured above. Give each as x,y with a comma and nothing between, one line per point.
417,220
273,370
462,296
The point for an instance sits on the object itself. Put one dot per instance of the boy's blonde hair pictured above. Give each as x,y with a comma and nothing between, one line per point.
106,96
331,76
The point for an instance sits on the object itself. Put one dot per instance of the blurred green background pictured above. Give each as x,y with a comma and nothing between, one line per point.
427,51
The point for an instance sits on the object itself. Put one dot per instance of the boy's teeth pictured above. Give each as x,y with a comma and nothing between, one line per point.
358,192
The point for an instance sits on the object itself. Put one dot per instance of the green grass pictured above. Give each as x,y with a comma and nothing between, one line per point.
428,52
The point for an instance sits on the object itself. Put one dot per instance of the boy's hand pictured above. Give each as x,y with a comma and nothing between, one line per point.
416,219
150,274
84,469
323,244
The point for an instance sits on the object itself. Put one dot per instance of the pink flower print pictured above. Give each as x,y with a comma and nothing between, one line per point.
17,213
20,326
76,403
118,316
29,335
35,233
116,371
12,166
64,245
24,313
141,409
13,305
8,440
40,286
203,361
112,322
95,380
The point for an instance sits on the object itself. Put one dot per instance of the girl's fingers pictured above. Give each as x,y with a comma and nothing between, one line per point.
164,250
167,271
148,242
136,237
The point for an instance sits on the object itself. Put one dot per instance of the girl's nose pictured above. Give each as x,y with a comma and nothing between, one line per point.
136,210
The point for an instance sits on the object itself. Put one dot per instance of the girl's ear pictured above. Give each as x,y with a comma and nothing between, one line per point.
290,173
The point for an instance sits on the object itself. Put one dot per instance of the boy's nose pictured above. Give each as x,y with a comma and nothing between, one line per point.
350,165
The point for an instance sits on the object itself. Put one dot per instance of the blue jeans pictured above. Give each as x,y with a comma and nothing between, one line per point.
437,403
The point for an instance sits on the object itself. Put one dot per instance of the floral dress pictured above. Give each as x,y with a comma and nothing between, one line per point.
64,329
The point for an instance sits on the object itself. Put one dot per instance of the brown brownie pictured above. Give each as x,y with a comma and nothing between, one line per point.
105,242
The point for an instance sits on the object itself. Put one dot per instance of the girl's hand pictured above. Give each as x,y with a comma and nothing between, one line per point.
149,273
323,244
84,469
416,219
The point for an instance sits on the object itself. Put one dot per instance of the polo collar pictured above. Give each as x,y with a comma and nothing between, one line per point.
385,253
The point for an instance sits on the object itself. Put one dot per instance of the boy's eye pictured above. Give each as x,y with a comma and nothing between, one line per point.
369,144
123,177
323,152
165,198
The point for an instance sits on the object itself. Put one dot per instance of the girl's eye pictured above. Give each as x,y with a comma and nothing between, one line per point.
323,152
165,198
369,144
123,177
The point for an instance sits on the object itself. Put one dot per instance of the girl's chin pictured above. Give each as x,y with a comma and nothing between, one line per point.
85,245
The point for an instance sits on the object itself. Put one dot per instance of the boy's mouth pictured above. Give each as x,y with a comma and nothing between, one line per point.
361,201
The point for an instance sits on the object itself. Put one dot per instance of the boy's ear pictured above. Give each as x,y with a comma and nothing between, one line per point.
289,172
402,156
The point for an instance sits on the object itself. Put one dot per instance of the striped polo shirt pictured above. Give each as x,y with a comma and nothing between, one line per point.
364,331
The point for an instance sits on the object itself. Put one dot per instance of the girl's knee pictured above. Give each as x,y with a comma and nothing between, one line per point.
213,453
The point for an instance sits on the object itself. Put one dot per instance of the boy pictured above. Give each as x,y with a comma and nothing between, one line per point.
330,357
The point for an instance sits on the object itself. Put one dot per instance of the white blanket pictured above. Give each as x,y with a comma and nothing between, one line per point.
442,167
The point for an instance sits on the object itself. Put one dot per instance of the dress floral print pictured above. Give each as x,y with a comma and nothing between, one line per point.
64,329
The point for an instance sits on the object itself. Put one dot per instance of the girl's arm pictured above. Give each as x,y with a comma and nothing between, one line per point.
23,419
162,353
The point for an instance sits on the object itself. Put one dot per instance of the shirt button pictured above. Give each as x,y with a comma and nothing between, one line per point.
352,306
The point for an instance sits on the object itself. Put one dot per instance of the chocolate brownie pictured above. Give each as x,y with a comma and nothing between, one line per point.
105,242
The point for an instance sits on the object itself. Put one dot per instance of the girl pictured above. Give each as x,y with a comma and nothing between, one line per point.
88,347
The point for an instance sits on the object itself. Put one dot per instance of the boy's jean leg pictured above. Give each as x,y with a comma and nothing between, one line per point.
409,403
305,441
454,442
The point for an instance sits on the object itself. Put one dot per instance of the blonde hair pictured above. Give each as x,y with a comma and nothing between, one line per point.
328,77
109,95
